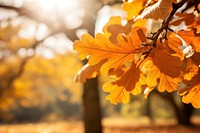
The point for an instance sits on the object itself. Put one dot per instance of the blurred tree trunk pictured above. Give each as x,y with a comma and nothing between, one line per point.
92,111
91,101
182,113
148,111
185,115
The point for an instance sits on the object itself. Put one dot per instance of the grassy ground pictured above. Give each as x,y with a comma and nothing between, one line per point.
110,126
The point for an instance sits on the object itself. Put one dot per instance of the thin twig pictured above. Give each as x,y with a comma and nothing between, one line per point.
165,23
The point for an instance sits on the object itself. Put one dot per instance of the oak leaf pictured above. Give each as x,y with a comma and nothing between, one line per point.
101,48
160,10
188,18
163,69
192,96
117,95
196,23
190,70
196,58
114,26
131,81
133,8
88,72
174,43
191,37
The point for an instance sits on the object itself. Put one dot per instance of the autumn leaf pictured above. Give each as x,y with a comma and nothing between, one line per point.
190,70
196,58
117,95
141,61
88,72
196,23
133,8
174,43
163,69
191,38
140,23
130,82
192,95
101,48
195,80
114,26
167,63
159,10
188,18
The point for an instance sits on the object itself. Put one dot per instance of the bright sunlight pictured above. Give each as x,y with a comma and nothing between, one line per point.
59,5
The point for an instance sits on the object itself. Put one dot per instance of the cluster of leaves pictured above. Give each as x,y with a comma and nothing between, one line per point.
142,61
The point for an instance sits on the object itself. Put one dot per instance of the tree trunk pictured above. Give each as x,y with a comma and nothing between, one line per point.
148,111
183,114
187,112
91,104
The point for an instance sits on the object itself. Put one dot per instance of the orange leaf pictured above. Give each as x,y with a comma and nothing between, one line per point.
114,26
196,23
174,43
117,95
191,38
167,63
196,58
163,69
159,10
194,80
188,18
131,81
190,70
193,96
101,48
88,72
133,8
140,23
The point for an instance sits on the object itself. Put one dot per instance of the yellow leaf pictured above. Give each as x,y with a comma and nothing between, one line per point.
133,8
117,95
193,96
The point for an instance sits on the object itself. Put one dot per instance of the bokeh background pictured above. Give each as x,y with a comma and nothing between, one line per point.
38,93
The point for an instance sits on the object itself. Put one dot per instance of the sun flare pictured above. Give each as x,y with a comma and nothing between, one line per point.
59,5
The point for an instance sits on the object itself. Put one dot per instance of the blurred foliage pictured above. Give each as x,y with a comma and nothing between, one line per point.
36,79
33,85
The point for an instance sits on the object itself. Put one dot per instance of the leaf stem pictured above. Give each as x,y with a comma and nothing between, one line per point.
165,23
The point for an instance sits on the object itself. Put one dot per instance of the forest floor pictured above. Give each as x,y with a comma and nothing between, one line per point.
110,126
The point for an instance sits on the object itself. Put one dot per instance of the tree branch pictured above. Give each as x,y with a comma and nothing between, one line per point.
165,23
22,11
11,79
